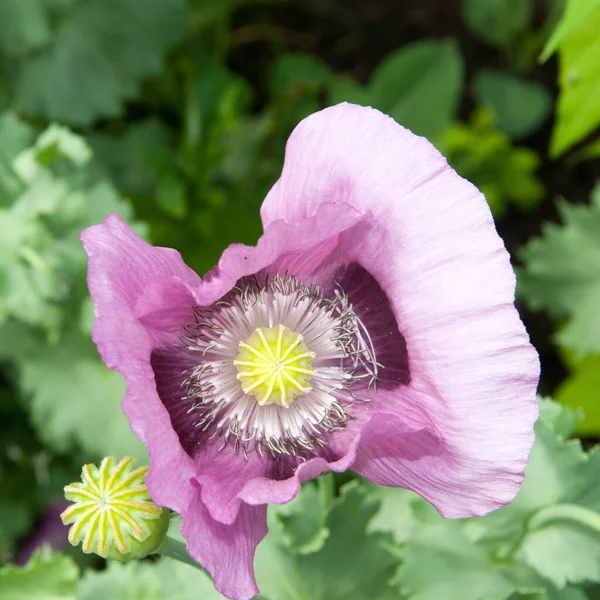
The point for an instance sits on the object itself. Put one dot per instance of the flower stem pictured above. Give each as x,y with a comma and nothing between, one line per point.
566,512
176,550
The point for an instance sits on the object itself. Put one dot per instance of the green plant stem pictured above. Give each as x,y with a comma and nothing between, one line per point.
566,512
176,550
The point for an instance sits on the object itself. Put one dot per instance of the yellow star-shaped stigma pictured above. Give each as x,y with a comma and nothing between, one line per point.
275,365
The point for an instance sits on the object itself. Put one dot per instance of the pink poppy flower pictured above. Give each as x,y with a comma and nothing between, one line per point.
372,327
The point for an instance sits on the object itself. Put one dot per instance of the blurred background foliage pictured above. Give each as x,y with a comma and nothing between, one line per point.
175,114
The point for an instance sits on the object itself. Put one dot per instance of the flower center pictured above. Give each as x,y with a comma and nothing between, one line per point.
275,365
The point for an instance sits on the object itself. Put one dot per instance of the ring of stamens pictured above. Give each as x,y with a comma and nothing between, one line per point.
275,366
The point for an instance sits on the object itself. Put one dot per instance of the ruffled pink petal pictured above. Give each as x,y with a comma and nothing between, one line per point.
228,481
144,297
315,245
123,273
463,426
226,551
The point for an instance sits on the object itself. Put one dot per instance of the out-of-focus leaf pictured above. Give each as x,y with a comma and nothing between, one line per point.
498,22
439,561
73,397
344,89
295,83
581,390
135,159
420,86
575,14
484,155
171,196
294,73
578,111
351,563
590,151
121,581
25,26
46,576
561,274
165,580
76,398
519,106
49,201
100,52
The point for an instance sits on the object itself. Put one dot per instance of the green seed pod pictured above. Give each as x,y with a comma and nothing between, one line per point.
113,515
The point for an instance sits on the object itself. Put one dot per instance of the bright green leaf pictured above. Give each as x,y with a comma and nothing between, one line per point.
498,22
519,106
581,390
575,15
46,576
578,111
590,151
420,86
561,274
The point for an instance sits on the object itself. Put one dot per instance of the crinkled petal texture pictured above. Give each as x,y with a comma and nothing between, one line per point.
144,296
459,434
364,199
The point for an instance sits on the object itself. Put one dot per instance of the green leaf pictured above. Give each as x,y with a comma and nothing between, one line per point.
498,22
581,390
49,200
351,563
121,581
100,52
163,580
297,74
420,86
75,398
484,155
46,576
439,561
561,274
303,523
578,111
553,525
592,150
25,26
344,89
519,106
179,581
395,514
135,159
575,15
561,420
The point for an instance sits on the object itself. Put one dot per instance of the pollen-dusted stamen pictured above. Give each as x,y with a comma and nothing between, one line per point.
113,514
272,366
275,366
